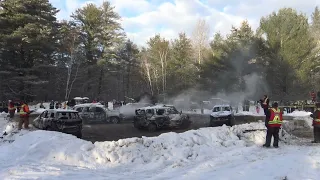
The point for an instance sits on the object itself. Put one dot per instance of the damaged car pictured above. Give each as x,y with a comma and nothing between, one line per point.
97,113
160,117
66,121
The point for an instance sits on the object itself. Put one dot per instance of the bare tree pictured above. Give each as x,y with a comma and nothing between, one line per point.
147,71
71,46
200,39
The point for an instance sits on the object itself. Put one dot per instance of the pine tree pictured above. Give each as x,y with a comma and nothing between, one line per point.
27,39
181,65
290,44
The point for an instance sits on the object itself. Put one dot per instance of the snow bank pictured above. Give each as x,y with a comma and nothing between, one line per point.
247,113
299,114
170,149
207,153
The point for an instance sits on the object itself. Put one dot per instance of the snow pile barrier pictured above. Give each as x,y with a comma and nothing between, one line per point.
170,149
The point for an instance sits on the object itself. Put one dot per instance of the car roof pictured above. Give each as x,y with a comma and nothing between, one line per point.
62,110
89,104
159,106
225,105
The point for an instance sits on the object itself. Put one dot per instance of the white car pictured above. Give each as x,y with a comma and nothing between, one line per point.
96,112
222,114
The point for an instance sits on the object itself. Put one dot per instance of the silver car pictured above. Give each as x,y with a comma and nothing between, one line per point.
97,113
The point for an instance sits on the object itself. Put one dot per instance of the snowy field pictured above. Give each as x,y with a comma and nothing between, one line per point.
208,153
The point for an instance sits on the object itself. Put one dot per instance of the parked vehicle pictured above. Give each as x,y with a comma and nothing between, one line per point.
222,114
160,116
66,121
97,113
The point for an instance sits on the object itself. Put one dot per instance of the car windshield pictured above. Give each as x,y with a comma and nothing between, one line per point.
140,112
216,109
173,110
67,115
226,108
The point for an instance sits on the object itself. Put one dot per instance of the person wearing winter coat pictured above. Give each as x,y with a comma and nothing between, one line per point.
265,104
52,104
273,123
11,109
24,116
316,123
42,106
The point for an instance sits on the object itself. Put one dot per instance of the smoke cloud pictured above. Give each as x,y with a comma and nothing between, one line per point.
244,68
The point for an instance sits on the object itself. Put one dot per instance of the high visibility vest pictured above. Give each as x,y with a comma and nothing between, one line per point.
316,121
24,110
275,117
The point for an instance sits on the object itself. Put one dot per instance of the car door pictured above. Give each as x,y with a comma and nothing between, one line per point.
86,114
100,114
42,120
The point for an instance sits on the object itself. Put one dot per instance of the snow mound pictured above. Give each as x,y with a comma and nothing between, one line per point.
247,113
170,149
299,114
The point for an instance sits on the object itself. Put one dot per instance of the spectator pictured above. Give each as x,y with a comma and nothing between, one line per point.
265,104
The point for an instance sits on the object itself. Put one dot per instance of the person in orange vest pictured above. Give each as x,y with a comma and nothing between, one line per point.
316,124
11,108
273,123
24,116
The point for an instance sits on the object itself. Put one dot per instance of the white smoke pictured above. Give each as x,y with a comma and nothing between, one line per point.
255,88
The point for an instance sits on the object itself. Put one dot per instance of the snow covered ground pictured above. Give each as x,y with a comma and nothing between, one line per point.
208,153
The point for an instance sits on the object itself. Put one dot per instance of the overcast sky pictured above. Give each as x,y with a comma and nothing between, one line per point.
142,19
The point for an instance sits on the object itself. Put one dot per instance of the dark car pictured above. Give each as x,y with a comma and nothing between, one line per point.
66,121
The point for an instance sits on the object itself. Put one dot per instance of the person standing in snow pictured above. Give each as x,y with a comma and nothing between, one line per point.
42,106
24,116
52,104
265,104
273,123
316,123
12,109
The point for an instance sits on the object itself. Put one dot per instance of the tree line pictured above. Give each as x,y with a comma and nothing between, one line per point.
42,58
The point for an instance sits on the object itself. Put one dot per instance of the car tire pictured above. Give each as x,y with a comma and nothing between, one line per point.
115,120
152,127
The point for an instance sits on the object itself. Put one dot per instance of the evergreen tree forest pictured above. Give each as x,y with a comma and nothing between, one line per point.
43,58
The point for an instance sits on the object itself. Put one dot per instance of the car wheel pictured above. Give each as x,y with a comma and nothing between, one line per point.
115,120
152,127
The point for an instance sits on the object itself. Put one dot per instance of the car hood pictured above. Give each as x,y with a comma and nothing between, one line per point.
221,113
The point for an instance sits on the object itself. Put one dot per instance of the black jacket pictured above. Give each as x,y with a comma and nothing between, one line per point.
314,115
268,114
264,106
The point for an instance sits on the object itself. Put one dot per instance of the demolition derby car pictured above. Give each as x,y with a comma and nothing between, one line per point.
222,114
97,113
160,116
66,121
